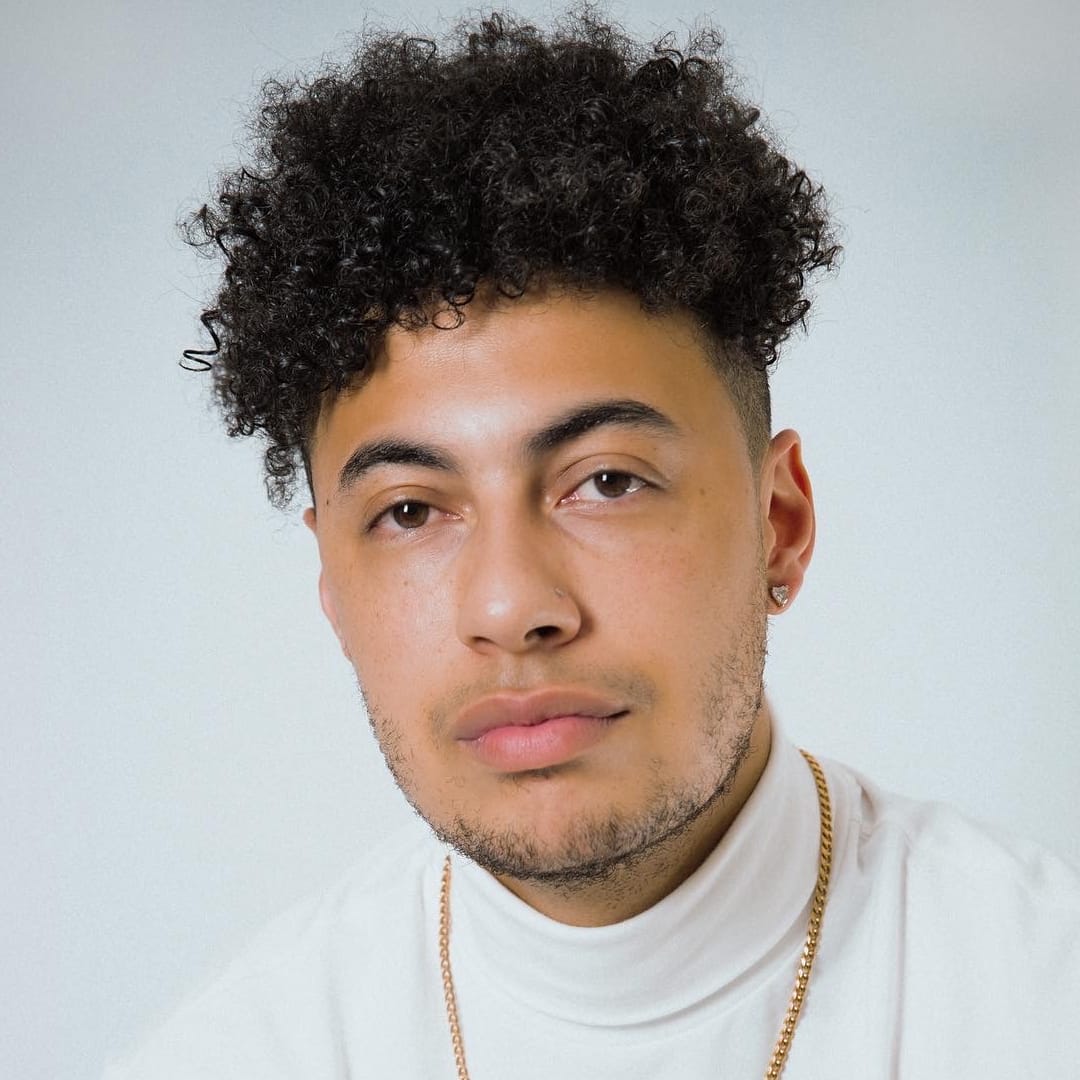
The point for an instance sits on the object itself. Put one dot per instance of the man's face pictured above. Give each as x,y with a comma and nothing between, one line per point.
544,550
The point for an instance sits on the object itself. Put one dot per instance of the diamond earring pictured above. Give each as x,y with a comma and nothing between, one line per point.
779,594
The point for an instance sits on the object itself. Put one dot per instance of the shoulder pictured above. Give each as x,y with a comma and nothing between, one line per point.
274,1000
966,898
970,937
948,850
380,891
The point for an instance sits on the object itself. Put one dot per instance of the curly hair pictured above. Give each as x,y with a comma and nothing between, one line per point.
403,180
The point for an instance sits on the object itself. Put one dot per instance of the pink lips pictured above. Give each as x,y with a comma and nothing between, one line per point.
518,732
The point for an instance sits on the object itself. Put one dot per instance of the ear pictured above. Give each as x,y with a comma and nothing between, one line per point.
326,601
787,513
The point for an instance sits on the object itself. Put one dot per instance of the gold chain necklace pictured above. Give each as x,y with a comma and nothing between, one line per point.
802,974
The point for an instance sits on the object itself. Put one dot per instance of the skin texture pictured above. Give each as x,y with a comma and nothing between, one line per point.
512,571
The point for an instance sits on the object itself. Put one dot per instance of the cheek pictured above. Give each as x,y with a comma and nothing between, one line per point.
686,577
396,629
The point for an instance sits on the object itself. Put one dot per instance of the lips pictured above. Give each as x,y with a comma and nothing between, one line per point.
511,710
516,733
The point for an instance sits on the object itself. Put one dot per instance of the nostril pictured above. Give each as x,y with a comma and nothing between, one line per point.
545,632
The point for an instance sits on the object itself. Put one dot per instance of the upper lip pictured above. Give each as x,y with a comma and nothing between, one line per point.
522,709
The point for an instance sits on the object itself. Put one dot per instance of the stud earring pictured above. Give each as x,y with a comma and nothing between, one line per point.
779,594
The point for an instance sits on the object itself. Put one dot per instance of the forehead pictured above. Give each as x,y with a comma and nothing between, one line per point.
513,364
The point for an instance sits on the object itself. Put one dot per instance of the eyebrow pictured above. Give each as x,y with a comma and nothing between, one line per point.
585,418
571,425
392,452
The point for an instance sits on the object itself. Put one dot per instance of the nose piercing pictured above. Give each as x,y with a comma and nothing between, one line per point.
779,593
559,593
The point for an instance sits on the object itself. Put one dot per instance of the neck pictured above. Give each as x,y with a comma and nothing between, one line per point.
639,883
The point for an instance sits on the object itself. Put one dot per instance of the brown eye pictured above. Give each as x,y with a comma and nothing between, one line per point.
410,515
613,484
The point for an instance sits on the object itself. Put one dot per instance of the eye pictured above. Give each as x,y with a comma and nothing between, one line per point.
610,484
410,514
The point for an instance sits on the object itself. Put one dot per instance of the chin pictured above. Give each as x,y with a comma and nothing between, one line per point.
583,850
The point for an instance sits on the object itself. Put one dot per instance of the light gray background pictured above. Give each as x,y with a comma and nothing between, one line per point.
183,748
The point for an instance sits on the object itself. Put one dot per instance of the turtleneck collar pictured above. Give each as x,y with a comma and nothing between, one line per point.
747,897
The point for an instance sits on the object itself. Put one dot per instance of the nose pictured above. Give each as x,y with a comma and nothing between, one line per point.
513,597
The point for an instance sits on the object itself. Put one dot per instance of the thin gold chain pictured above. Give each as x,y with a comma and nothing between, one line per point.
447,975
802,974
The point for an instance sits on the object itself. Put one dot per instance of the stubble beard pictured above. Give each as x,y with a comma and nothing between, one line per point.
592,850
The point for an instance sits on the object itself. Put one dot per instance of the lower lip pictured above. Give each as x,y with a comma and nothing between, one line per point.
539,746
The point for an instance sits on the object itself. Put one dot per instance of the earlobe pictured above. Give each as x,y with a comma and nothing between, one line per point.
788,523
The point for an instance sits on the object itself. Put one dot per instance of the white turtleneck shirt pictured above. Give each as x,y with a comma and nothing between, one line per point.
945,952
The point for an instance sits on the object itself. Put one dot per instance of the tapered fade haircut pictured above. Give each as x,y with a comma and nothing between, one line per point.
416,173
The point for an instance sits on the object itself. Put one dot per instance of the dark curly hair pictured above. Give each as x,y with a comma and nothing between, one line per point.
413,174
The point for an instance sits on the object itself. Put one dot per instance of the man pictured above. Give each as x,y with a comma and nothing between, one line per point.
509,307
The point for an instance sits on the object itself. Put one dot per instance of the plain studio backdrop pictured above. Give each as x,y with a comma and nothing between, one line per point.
184,752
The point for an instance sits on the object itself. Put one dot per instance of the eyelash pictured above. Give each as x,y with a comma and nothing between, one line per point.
387,512
621,473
